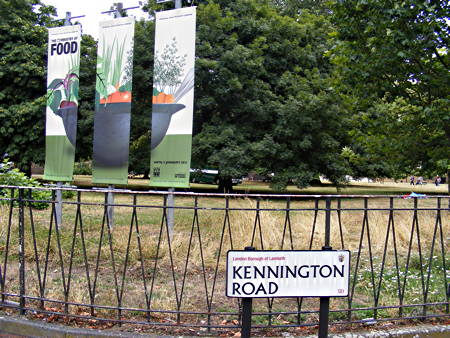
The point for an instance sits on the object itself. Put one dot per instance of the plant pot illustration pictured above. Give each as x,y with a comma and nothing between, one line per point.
69,117
111,134
161,116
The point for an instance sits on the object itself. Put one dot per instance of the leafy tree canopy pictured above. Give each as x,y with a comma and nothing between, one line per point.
394,65
264,95
23,39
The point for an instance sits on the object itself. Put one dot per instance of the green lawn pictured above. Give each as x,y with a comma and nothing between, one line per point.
354,188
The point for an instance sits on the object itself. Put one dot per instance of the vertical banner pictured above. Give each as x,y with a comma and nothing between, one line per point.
173,98
62,102
113,101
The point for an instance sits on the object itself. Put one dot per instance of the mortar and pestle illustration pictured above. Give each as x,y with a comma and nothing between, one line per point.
161,117
111,134
69,118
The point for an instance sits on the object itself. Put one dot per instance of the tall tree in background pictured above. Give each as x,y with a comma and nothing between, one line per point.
142,97
23,64
23,41
264,98
88,63
394,61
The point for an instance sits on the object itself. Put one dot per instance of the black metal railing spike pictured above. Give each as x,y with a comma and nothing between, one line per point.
188,254
444,265
419,245
99,250
383,262
60,253
339,211
257,225
158,247
430,259
369,244
125,264
49,239
22,280
141,257
172,264
313,230
397,264
208,299
287,225
79,219
358,258
408,257
35,248
8,238
111,252
72,250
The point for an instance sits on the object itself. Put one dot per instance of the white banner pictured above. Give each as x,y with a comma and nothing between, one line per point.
62,74
255,274
62,101
173,97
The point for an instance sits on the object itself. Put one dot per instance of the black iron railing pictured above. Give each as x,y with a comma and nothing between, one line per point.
136,269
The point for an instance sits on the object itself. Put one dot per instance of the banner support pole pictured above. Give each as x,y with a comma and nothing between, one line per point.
170,210
58,206
171,197
110,209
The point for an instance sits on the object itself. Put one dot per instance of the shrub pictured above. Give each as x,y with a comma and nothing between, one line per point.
82,168
13,176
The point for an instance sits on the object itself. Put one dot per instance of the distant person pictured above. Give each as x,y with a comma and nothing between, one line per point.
437,181
419,180
411,180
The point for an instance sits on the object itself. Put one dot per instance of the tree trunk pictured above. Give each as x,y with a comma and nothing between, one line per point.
26,168
146,174
225,185
448,181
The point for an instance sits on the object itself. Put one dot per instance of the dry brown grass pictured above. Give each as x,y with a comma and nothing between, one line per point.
173,262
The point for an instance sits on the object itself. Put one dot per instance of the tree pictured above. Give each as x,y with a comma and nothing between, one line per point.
393,61
23,39
142,98
88,62
264,95
294,8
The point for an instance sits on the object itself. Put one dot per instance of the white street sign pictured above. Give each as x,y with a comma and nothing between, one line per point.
253,274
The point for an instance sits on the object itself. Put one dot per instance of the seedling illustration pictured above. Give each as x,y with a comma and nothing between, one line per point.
114,73
63,93
169,88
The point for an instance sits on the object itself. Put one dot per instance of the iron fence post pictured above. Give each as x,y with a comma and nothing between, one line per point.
21,252
325,301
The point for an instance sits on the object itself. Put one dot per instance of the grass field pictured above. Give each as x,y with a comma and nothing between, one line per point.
188,274
356,188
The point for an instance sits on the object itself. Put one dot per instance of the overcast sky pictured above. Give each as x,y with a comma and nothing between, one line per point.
92,9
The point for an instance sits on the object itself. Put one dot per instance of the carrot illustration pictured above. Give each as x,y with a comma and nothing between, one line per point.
117,97
163,98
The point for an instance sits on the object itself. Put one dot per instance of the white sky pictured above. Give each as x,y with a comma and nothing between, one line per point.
92,9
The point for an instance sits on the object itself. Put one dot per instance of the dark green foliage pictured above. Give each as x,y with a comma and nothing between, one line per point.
23,41
139,161
88,60
264,98
394,65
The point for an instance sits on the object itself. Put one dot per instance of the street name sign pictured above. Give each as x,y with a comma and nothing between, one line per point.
256,274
